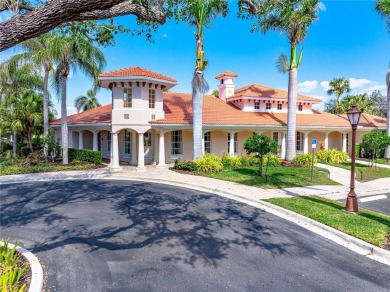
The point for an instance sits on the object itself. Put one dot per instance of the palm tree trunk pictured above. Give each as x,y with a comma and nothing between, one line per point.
15,138
387,152
64,123
291,114
46,108
197,101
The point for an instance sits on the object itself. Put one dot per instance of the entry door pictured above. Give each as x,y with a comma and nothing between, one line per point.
148,146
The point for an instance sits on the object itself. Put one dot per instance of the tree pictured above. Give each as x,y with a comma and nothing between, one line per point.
73,51
293,19
338,86
23,114
215,93
378,102
200,14
260,145
32,19
87,102
374,144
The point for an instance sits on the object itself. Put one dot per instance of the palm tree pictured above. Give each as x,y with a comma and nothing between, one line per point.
200,13
24,113
292,18
215,92
73,51
338,86
87,102
383,8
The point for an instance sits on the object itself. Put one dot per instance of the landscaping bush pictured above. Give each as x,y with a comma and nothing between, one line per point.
331,156
182,165
209,163
253,161
303,160
25,151
245,160
5,146
271,161
85,155
43,168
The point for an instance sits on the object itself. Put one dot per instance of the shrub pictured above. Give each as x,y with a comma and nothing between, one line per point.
85,155
331,156
182,165
42,168
253,161
5,146
271,161
245,160
303,160
25,151
33,159
209,163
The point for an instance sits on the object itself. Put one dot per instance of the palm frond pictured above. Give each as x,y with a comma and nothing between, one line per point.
282,63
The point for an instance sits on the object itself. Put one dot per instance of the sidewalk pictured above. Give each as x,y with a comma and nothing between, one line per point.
152,174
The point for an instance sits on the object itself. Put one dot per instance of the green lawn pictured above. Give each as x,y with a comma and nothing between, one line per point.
368,172
8,170
369,226
279,177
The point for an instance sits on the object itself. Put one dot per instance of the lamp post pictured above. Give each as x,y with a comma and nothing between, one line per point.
352,203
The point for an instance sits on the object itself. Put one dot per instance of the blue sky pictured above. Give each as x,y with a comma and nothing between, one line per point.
348,40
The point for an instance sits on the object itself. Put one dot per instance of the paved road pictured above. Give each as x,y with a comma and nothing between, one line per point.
381,206
131,236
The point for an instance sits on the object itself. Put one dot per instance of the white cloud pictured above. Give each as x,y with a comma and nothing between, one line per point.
70,108
372,87
325,85
356,83
307,86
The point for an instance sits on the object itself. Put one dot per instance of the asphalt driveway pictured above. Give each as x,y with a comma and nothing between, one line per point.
132,236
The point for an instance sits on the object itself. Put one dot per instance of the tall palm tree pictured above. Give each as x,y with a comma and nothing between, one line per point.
383,8
338,86
200,14
73,51
293,19
87,102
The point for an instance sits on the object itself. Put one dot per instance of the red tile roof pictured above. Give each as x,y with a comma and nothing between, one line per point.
367,120
97,115
136,71
226,73
257,90
178,110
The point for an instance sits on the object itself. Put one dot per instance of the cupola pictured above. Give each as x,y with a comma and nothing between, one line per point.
226,85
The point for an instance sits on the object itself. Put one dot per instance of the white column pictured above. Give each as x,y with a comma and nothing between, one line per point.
231,144
161,151
305,142
81,143
141,153
326,141
283,146
156,139
115,153
344,142
95,140
133,148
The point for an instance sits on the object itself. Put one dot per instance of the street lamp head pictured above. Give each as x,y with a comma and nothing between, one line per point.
354,115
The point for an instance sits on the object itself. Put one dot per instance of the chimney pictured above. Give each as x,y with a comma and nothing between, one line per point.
226,85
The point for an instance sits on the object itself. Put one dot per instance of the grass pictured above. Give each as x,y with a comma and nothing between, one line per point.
368,172
369,226
279,177
379,161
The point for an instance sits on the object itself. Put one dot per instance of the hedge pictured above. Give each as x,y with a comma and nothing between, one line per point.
85,155
9,170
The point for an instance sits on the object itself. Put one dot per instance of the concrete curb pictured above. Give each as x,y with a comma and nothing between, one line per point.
359,246
36,283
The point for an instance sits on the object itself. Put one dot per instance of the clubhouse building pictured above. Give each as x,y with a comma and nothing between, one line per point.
146,123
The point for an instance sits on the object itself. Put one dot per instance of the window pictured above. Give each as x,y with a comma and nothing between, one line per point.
152,98
299,141
257,105
275,137
235,143
176,143
99,141
268,106
127,142
109,142
207,142
300,107
127,97
279,106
